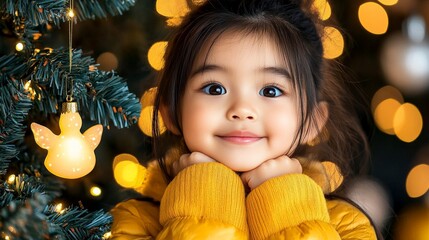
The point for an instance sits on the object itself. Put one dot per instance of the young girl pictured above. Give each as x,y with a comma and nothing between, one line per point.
251,111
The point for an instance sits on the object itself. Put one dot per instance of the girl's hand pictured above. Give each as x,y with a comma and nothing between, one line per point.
269,169
189,159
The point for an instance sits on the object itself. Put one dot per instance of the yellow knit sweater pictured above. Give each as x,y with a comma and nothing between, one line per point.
208,201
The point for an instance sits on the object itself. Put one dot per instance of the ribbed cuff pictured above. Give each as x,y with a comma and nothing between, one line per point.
284,202
208,191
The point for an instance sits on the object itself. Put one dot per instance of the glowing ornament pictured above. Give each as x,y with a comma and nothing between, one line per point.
70,154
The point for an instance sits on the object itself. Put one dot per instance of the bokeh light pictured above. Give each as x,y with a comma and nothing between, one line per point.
406,63
127,171
155,55
388,2
129,174
108,61
19,46
95,191
384,114
333,43
172,8
373,18
371,196
412,223
323,8
124,157
407,122
417,182
385,93
145,121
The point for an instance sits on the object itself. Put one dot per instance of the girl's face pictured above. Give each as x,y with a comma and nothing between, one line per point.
239,105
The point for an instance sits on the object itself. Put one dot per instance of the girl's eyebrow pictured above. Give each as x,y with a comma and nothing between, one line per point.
207,68
278,71
212,67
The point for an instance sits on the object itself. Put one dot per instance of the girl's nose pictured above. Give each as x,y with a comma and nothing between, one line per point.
241,111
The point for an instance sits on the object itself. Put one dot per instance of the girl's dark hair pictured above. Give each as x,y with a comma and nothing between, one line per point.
296,31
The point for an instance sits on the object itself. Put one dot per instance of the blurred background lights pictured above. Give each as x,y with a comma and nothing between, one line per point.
417,183
407,122
155,55
384,114
372,198
388,2
373,18
11,179
416,28
145,120
172,8
323,8
417,63
124,157
385,93
108,61
127,171
19,46
333,43
95,191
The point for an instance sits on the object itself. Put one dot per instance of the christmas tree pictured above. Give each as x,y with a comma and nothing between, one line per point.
34,81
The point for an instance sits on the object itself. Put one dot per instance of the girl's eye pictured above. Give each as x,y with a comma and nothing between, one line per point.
270,91
214,89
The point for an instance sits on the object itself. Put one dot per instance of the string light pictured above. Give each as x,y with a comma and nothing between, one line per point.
11,179
95,191
19,46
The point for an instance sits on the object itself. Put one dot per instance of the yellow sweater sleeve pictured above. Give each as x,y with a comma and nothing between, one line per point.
204,201
289,207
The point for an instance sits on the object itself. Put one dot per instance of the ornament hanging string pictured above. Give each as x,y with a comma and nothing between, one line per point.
69,97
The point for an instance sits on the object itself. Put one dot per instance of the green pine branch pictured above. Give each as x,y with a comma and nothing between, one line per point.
35,13
14,107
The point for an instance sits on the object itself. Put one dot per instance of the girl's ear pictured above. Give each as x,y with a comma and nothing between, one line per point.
166,118
321,114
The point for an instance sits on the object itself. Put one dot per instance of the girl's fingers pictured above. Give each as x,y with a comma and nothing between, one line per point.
187,160
270,169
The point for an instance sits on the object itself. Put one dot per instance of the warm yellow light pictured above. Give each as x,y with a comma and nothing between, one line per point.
70,13
70,154
11,179
172,8
107,235
155,55
124,157
388,2
373,18
323,8
333,43
95,191
148,98
417,182
407,122
129,174
334,174
145,121
384,114
19,46
385,93
59,208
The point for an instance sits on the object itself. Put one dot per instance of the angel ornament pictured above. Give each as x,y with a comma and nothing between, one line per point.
71,153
